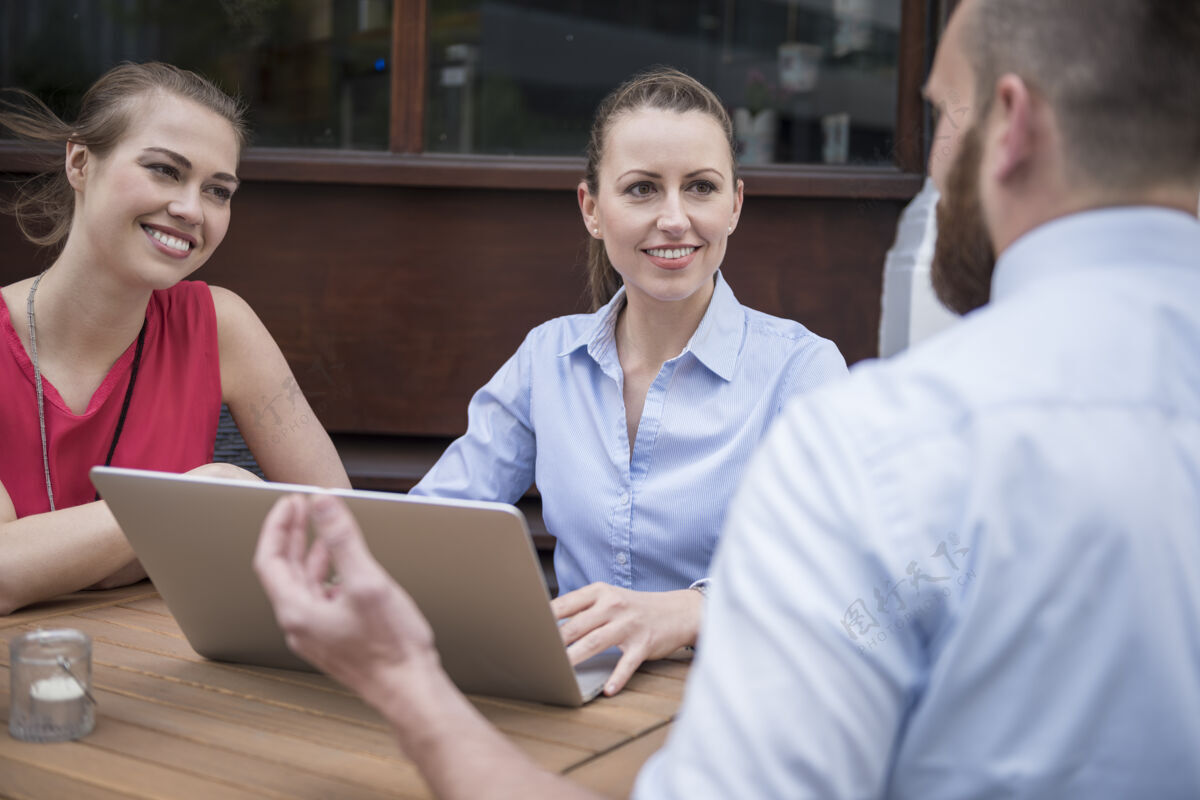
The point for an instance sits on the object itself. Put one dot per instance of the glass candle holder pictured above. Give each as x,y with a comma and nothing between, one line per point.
51,697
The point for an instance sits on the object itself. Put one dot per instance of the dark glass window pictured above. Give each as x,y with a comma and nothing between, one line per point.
806,80
315,73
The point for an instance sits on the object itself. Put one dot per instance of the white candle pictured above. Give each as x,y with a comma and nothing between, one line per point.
60,687
58,701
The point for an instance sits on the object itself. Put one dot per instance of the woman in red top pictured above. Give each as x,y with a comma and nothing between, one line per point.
109,356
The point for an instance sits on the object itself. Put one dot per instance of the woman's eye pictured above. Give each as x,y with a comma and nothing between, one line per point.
704,187
641,189
164,169
221,193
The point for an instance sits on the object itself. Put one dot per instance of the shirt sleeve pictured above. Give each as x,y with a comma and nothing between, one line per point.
793,693
494,459
818,364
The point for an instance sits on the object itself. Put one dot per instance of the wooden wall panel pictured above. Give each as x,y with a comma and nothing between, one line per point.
394,304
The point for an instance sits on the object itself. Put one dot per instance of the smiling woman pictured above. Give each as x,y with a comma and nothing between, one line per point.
110,356
148,188
636,420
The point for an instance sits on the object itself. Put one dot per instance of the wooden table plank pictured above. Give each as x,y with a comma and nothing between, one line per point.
164,637
134,618
119,645
44,613
173,724
674,667
272,753
671,688
88,763
165,623
151,605
142,639
24,781
613,774
334,704
344,718
659,705
629,721
235,768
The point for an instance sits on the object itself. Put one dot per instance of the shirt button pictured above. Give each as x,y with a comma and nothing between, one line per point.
621,559
623,497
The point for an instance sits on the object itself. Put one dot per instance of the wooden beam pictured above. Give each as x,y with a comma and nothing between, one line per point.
409,37
913,63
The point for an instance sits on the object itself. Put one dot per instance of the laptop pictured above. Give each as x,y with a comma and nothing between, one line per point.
470,566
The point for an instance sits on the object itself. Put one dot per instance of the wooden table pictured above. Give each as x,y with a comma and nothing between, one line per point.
172,724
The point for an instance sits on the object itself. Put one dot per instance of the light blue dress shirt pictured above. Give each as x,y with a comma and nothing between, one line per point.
973,571
554,414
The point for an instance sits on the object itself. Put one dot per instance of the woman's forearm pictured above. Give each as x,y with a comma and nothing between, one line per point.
47,555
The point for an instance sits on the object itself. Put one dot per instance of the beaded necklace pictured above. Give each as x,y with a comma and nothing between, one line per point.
41,402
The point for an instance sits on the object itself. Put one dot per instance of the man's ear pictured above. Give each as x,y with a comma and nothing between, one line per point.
1016,137
78,159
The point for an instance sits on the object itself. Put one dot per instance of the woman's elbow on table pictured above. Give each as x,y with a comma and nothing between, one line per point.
11,597
8,602
6,606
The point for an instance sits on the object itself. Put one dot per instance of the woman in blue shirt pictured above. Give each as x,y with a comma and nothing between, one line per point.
635,421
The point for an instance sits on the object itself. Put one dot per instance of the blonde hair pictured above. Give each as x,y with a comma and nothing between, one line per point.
659,88
45,204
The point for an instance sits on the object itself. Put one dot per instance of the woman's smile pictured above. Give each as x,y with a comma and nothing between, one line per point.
676,257
172,243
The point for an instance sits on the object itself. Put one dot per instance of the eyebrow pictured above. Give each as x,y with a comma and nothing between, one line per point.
183,161
650,174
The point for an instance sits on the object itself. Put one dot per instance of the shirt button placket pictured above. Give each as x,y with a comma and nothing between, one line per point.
622,555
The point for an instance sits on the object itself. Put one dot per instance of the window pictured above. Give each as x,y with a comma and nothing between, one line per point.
315,73
807,80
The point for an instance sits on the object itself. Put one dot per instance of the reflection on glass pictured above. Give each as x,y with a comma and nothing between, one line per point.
810,81
314,72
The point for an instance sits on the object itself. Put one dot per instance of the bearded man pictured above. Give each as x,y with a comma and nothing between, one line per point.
972,570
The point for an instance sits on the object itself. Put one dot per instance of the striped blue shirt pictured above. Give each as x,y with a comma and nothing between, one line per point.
554,415
973,570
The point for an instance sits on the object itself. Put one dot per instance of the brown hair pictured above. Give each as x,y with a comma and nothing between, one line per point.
45,204
659,88
1120,76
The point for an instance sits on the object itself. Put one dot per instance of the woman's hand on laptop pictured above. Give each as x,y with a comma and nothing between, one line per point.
358,628
645,625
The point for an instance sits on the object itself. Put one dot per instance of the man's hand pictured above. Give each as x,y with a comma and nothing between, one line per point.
357,629
365,631
645,625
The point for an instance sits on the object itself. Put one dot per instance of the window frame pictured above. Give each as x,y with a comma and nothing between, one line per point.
405,163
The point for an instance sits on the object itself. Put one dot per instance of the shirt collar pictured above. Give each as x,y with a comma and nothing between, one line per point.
715,344
1103,238
718,339
600,336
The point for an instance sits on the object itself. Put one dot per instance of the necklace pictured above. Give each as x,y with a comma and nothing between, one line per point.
41,401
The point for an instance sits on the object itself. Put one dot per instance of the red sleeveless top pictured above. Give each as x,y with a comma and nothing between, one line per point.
171,424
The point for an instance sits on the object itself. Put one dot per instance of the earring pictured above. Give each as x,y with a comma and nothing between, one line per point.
730,229
596,231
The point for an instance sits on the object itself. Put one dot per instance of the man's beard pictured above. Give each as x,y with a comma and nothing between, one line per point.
963,257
